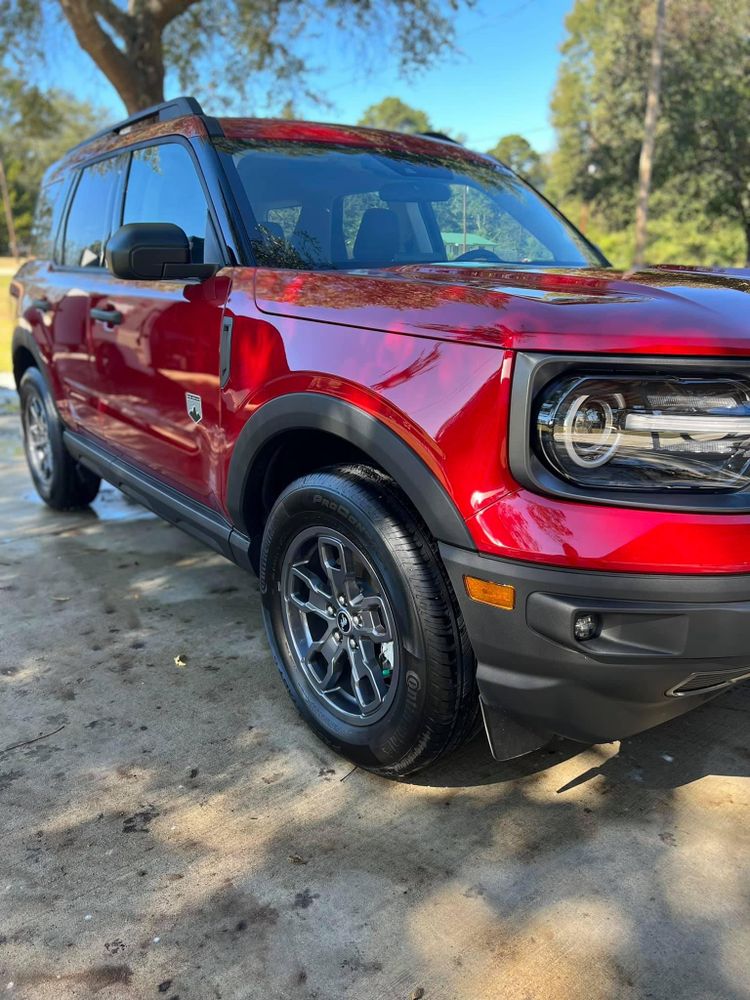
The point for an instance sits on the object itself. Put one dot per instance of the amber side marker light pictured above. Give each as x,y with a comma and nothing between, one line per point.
500,595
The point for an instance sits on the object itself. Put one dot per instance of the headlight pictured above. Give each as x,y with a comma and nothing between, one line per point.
647,432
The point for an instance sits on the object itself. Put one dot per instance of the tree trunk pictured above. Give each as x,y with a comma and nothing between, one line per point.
146,57
135,68
651,120
12,242
746,228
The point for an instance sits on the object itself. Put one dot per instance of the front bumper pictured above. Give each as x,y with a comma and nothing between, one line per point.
666,644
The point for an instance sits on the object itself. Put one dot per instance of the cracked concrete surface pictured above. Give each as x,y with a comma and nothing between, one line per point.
180,832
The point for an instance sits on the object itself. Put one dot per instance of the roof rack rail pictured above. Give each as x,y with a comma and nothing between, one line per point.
164,112
439,135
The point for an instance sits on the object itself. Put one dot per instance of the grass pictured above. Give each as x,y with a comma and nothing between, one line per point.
6,323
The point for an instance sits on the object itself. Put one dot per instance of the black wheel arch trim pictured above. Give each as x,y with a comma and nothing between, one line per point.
317,411
24,339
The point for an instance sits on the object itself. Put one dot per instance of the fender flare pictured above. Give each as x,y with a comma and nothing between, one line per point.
24,338
316,411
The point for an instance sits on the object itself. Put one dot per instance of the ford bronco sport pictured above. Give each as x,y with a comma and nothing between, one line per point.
474,466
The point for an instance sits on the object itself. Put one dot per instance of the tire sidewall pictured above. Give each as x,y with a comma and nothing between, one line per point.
398,732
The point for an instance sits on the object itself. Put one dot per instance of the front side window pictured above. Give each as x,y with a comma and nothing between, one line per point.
89,222
376,207
163,186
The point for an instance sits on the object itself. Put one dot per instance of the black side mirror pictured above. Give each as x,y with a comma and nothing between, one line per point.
153,251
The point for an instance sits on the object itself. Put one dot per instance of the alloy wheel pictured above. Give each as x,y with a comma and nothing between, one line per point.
38,441
340,624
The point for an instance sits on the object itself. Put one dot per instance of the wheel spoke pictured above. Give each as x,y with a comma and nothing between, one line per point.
331,652
318,599
338,563
367,678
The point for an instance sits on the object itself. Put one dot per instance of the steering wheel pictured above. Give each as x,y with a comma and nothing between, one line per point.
479,254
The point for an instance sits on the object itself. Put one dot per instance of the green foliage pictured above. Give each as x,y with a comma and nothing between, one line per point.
392,113
233,52
701,177
518,154
674,239
36,128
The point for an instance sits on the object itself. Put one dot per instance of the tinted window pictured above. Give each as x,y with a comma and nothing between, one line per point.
47,216
470,219
374,207
354,207
163,186
283,220
90,218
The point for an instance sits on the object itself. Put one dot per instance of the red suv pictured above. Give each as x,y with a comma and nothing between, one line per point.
474,466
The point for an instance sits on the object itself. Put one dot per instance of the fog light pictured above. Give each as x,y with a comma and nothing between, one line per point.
585,627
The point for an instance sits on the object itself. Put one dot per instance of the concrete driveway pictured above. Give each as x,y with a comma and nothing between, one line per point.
176,831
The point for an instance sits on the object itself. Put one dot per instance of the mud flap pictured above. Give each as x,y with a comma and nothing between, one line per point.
508,736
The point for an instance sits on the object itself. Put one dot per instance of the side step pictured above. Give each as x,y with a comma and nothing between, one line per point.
198,520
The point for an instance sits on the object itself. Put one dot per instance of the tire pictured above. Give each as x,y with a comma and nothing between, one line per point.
405,693
59,480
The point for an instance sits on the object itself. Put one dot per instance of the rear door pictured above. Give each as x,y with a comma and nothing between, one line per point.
77,272
156,344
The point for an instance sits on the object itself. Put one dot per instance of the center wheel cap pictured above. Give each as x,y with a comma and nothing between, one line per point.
344,622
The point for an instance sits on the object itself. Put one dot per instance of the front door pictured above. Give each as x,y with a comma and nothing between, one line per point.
156,344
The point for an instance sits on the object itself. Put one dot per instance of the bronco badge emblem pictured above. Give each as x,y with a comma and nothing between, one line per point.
194,406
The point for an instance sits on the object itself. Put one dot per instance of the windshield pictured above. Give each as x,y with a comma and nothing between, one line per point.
318,206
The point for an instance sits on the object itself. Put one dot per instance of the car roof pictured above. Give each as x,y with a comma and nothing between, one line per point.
330,133
184,116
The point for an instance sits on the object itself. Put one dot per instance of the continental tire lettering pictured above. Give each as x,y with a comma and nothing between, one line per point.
337,508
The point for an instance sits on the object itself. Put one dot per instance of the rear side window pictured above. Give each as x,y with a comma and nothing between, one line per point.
47,217
163,186
90,218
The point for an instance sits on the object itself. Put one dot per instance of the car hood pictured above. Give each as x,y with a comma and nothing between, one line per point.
660,310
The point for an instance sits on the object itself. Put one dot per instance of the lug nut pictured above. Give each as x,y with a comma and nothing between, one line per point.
329,609
342,599
337,635
358,621
353,643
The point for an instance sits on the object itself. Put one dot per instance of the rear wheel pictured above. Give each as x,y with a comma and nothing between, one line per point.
59,480
363,622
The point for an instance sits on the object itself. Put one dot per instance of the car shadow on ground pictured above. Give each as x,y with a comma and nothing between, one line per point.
676,753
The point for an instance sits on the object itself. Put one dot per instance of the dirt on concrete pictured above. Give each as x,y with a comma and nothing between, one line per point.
169,827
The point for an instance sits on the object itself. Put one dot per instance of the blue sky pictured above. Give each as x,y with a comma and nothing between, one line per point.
499,82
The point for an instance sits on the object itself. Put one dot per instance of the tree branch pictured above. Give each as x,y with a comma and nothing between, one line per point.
94,39
118,19
165,11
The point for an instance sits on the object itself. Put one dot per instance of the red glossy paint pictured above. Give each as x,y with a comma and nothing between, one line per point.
428,350
433,359
125,385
